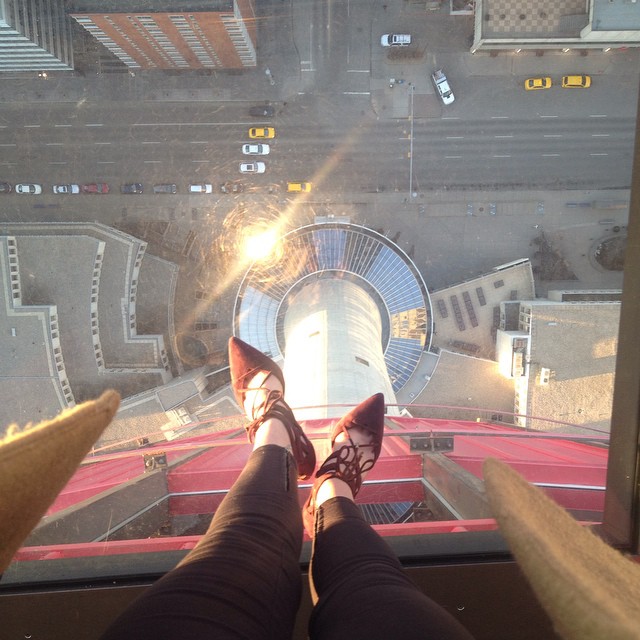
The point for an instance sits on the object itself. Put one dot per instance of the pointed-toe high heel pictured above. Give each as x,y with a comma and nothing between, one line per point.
346,463
245,363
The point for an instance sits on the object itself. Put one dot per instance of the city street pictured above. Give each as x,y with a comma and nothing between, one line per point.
462,187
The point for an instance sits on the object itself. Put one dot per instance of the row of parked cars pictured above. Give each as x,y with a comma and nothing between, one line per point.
568,82
30,188
103,187
231,186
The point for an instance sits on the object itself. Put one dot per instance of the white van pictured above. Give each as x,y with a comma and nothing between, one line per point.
442,86
395,40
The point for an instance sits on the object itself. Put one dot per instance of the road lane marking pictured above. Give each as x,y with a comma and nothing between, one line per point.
57,163
598,154
598,115
356,93
201,161
550,155
498,156
190,124
599,135
63,125
506,136
93,124
199,142
500,117
145,142
54,144
548,116
101,143
452,157
106,161
358,71
8,144
455,137
552,135
152,161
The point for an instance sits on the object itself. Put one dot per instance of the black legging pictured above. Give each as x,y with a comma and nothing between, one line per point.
243,578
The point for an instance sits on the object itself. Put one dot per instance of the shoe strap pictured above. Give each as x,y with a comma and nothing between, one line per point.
264,410
259,409
345,464
301,447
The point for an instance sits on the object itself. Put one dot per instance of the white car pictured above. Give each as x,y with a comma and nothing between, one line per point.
33,189
256,149
66,188
395,40
252,167
200,188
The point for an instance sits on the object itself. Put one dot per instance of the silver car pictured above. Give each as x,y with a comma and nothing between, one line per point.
256,149
33,189
65,189
252,167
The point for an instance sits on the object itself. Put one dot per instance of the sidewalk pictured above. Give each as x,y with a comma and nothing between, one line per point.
440,36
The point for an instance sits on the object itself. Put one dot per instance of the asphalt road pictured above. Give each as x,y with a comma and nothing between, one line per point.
568,148
334,132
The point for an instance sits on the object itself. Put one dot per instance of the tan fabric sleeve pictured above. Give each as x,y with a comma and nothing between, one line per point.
590,590
37,462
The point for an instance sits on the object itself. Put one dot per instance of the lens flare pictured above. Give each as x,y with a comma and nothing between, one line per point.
260,243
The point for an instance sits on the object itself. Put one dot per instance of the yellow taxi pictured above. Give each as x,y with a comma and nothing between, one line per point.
262,132
573,82
297,187
531,84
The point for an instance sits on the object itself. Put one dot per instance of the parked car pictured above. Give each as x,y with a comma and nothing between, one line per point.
95,187
395,40
294,187
262,132
232,187
26,188
132,187
442,86
165,188
252,167
66,189
531,84
576,82
200,188
5,187
263,111
256,149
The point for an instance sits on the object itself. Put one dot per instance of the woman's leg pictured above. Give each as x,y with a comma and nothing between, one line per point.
361,587
242,580
358,585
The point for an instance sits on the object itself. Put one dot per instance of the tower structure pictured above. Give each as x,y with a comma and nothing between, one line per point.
344,310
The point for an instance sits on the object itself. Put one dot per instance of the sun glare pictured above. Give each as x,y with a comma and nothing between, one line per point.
260,243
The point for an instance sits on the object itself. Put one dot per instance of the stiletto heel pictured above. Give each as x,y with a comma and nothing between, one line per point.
245,363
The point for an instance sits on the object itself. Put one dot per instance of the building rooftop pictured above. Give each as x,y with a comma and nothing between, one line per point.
148,6
466,315
577,343
85,277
